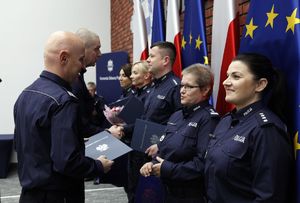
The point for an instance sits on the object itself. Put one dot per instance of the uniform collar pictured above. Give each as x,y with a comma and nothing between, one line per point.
142,89
163,78
127,91
186,111
56,79
245,112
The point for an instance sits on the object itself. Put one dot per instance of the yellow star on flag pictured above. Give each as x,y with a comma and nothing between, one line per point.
271,16
205,60
296,144
292,20
183,43
191,37
198,42
250,28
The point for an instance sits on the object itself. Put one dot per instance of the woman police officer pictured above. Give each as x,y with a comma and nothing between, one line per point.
249,158
180,160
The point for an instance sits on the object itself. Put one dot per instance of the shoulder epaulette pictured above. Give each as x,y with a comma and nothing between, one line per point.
267,119
212,112
175,82
262,119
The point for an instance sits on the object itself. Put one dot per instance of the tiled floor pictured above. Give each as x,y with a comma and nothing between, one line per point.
103,193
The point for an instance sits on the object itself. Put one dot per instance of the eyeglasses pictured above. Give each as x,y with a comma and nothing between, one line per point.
188,87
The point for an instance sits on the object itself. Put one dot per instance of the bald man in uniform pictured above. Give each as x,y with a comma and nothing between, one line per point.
48,140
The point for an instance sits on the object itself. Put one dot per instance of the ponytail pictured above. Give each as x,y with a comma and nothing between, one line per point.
276,97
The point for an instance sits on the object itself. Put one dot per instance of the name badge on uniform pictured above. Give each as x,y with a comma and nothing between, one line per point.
247,112
239,138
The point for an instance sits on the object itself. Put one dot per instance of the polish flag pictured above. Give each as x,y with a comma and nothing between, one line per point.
138,28
173,33
225,44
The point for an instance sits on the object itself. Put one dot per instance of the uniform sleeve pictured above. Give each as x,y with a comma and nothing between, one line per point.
176,98
67,147
193,168
271,165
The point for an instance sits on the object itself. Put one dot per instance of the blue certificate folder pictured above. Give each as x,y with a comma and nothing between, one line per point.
145,134
105,144
133,109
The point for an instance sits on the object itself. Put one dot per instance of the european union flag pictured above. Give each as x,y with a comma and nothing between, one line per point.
158,22
193,43
273,29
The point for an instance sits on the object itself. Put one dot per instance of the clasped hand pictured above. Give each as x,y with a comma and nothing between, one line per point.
152,169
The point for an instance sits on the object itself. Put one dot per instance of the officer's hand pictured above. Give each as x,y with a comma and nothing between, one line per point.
116,131
146,169
106,163
156,167
152,150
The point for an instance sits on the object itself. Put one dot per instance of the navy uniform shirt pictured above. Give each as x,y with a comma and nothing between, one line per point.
184,145
86,104
163,100
127,92
141,94
98,118
249,158
50,148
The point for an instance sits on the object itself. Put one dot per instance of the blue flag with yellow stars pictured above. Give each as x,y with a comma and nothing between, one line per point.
193,43
273,29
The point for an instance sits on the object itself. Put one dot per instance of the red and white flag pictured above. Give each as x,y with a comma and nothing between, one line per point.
225,44
138,28
173,33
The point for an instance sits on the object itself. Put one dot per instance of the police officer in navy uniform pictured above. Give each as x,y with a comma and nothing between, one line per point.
92,46
164,97
180,161
48,137
249,158
125,80
92,53
141,80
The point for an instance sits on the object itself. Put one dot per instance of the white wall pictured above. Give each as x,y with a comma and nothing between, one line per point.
24,27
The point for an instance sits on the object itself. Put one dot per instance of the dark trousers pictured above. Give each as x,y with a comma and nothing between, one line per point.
135,161
172,199
183,195
51,196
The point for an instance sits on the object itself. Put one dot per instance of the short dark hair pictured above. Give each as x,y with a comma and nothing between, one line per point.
127,69
169,47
